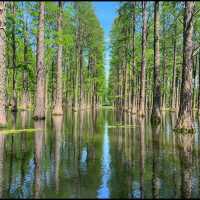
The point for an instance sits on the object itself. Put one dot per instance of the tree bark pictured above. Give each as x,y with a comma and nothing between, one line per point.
77,50
133,57
194,66
174,73
25,98
3,120
185,119
164,67
58,110
39,112
143,64
156,115
14,98
199,85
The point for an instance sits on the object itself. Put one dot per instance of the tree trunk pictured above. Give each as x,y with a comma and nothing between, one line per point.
156,115
185,119
194,66
174,73
77,50
81,76
25,98
3,120
40,87
58,101
164,67
14,98
143,64
199,85
133,57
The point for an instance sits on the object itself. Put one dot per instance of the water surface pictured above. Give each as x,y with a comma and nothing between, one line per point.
83,155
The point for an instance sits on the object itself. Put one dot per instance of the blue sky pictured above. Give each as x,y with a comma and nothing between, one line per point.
106,12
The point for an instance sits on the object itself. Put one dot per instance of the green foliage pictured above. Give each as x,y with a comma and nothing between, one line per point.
91,39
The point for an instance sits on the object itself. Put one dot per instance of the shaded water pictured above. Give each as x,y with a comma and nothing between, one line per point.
82,155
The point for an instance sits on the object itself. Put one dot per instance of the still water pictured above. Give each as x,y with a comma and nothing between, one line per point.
84,155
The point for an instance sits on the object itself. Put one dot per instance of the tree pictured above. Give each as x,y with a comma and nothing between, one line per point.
14,98
39,112
25,98
58,101
3,120
156,115
185,119
143,63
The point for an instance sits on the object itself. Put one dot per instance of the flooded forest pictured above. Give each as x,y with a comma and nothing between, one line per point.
92,112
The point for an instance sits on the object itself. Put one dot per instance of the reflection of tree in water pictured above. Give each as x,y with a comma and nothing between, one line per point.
122,151
38,154
185,143
142,155
23,147
57,122
14,120
156,161
198,155
2,140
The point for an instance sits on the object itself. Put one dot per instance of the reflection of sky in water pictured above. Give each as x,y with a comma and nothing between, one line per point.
16,190
103,191
83,163
136,193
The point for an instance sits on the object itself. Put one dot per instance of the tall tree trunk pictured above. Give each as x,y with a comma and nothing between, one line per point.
133,57
25,98
81,76
3,120
58,110
156,115
77,50
39,112
164,67
199,85
173,105
194,66
14,98
143,64
185,119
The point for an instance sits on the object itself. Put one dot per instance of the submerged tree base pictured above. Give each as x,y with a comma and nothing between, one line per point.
3,125
184,130
38,118
57,111
155,120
